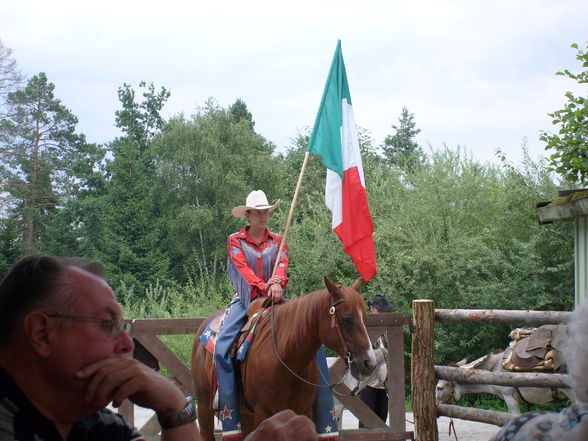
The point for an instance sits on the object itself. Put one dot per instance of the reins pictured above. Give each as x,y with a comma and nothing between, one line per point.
334,322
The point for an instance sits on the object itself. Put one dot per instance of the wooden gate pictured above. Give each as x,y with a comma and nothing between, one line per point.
147,332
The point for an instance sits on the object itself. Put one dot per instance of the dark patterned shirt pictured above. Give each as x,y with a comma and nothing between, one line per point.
20,420
542,426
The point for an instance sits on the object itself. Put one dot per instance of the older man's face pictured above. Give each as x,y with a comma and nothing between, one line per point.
86,341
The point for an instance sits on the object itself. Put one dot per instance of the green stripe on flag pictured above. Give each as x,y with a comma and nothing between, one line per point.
325,139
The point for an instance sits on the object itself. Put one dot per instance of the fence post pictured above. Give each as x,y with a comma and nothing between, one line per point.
423,370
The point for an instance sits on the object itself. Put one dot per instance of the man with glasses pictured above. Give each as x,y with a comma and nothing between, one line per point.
65,355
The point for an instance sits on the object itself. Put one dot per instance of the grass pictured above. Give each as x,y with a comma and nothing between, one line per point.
188,301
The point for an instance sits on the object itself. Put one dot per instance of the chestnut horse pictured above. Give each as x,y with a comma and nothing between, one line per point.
334,317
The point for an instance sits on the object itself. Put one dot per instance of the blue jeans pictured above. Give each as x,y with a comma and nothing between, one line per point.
227,380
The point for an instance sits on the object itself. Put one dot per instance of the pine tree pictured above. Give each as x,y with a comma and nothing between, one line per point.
126,231
240,112
400,149
40,152
10,77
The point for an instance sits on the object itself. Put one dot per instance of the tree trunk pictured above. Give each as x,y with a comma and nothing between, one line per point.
423,370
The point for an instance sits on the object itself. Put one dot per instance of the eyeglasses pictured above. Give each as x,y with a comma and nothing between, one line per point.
112,327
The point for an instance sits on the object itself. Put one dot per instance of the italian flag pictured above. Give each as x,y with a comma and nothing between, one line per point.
334,137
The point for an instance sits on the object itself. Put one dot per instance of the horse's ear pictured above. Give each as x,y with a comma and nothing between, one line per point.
330,285
332,288
357,284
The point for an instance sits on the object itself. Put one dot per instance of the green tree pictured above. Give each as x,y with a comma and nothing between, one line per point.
10,248
204,166
41,152
465,234
240,112
123,224
140,121
570,143
401,149
10,77
10,80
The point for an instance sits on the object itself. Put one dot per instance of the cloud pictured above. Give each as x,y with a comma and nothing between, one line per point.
475,74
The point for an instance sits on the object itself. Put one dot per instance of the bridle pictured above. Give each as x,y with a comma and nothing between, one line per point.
348,358
335,324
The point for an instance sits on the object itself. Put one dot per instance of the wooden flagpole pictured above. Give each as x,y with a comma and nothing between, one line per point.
292,205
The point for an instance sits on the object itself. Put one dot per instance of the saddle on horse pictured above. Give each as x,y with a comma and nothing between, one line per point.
536,349
256,311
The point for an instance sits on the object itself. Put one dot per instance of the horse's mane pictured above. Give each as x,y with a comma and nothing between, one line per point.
298,317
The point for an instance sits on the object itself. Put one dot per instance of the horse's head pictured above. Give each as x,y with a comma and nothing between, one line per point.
381,371
344,331
443,391
446,390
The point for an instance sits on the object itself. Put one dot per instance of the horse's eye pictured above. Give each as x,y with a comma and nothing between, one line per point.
347,318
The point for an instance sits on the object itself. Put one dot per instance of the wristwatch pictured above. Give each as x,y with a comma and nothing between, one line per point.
184,416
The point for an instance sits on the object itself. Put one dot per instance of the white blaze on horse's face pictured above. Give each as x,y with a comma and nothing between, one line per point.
371,354
361,366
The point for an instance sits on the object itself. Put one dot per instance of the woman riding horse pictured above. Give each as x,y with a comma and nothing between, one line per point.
252,253
280,370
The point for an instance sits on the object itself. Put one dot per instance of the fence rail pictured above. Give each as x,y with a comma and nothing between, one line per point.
504,316
422,361
147,332
472,414
519,379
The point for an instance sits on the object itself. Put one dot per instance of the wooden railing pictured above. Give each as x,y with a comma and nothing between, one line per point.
424,371
148,331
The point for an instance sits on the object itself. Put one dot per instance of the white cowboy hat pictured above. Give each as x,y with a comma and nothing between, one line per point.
256,200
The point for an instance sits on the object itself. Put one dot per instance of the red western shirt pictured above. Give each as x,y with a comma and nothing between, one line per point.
250,264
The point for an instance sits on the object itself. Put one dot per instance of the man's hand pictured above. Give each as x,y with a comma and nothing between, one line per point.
116,379
284,426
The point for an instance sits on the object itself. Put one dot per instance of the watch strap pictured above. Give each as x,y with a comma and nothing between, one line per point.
184,416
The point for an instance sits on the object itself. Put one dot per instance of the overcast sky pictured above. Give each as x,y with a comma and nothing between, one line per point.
480,74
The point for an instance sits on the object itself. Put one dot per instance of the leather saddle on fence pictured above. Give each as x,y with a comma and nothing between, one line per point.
536,349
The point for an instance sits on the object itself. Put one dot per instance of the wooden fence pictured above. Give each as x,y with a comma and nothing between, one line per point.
147,332
424,372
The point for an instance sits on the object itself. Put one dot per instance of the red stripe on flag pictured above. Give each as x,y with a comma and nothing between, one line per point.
356,228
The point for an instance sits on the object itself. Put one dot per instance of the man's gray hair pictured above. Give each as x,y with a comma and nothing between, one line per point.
38,283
